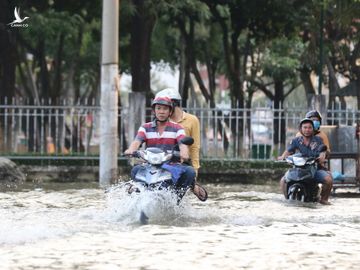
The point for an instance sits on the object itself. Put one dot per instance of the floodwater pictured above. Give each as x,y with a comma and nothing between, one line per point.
73,226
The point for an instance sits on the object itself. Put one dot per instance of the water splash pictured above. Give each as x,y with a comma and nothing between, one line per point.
161,207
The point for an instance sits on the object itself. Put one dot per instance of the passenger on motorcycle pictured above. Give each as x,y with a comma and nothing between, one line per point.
308,145
316,117
191,125
164,134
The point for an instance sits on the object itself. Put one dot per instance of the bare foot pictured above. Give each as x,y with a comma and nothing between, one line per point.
324,202
200,192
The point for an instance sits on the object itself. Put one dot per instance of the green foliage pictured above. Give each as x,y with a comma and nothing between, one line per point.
81,44
48,26
267,33
89,67
282,58
173,8
166,36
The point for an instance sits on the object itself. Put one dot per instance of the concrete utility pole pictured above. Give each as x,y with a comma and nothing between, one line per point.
109,93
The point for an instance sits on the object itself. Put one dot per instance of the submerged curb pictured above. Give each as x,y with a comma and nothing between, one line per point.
211,171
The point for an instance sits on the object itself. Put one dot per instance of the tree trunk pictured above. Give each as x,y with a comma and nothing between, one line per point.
279,120
190,59
333,83
211,67
306,81
58,80
72,87
141,31
44,72
358,93
184,74
7,51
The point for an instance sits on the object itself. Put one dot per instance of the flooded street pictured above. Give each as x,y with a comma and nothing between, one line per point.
240,227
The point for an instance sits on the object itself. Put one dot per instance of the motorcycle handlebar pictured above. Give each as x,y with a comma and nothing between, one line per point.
135,154
176,157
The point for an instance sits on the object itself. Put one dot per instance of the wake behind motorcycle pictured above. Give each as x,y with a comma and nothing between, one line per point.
300,182
155,177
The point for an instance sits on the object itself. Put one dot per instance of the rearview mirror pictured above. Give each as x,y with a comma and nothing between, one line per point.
187,140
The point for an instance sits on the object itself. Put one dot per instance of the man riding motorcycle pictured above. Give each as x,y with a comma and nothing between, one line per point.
309,145
191,125
316,117
164,134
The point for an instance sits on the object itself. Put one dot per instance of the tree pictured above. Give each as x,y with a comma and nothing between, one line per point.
338,28
342,38
8,45
49,53
280,63
143,22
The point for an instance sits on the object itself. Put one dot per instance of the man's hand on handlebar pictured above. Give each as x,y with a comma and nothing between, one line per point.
130,153
322,157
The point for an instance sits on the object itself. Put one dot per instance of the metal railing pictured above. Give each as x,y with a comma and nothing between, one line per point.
72,130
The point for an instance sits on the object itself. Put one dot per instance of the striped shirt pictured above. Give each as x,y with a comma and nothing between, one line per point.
171,136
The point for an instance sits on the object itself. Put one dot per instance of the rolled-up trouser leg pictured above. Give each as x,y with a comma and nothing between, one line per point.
187,179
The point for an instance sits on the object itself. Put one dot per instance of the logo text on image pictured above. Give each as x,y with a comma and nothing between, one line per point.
18,22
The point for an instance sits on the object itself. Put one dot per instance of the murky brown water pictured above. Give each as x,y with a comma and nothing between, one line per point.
239,227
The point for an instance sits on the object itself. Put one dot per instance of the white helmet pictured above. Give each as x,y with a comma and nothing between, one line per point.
169,92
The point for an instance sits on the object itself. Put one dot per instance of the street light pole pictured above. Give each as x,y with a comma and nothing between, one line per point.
109,93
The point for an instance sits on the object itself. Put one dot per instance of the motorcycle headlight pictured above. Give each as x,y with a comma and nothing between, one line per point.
299,161
155,158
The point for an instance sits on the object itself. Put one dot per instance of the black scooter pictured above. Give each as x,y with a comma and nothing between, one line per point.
300,182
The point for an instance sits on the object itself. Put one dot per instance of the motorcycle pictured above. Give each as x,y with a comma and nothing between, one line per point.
300,182
155,176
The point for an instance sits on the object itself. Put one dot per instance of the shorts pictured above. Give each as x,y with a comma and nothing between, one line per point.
320,176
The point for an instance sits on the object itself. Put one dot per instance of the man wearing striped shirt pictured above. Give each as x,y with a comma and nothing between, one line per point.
191,125
164,134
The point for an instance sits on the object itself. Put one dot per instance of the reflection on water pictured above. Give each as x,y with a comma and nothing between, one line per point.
73,226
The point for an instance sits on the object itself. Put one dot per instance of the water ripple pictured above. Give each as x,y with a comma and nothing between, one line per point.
239,227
